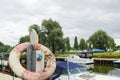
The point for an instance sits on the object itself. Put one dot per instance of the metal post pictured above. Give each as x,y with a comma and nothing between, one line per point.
29,50
33,60
68,69
1,63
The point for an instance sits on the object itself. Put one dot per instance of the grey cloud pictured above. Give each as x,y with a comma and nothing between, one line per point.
77,17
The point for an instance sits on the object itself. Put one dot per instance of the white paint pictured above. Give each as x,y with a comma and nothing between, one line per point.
39,63
33,38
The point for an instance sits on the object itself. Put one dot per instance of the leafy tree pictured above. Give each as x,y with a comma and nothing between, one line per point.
1,47
24,39
35,27
5,48
101,40
75,43
67,44
41,35
82,44
111,44
53,35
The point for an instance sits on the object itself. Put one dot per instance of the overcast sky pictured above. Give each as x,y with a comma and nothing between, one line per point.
79,18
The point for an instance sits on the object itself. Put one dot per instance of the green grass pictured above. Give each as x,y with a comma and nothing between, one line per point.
64,54
107,55
95,55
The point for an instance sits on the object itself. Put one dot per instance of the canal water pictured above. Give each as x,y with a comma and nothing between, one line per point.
105,69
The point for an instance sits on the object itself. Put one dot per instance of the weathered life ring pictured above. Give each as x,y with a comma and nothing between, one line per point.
21,72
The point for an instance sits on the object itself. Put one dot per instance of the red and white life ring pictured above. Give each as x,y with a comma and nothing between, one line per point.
14,62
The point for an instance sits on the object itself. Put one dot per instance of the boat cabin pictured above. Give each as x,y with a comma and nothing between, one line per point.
85,54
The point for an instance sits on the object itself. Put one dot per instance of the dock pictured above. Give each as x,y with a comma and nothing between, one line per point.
106,59
95,59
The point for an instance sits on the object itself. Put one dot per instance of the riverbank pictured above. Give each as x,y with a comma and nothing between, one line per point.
95,55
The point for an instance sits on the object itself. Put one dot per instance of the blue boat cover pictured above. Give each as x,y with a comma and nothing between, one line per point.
97,50
64,65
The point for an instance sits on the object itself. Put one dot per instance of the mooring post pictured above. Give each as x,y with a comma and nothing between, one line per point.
35,59
31,58
31,52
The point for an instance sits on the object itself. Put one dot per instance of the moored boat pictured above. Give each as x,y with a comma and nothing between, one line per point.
116,63
73,71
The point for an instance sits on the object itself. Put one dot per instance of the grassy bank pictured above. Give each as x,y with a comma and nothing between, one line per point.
64,54
95,55
107,55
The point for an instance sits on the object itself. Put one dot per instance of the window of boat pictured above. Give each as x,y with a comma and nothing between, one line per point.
64,72
74,71
83,55
89,55
83,69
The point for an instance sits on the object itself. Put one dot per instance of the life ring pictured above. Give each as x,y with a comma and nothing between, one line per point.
21,72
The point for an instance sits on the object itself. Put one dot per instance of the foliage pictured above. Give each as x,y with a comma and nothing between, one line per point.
101,40
53,35
5,48
50,34
117,47
35,27
75,43
24,39
107,55
64,54
82,44
67,45
38,31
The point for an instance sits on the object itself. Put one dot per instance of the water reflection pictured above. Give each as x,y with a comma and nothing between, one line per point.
106,69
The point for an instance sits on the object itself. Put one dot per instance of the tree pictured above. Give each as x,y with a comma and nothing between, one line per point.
75,43
67,44
53,35
1,47
38,31
111,44
35,27
24,39
5,48
82,44
101,40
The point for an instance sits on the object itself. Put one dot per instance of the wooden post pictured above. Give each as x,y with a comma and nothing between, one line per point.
35,59
39,60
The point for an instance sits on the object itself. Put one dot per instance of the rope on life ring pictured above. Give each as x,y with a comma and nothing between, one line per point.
14,62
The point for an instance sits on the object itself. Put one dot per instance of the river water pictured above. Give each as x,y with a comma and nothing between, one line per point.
105,69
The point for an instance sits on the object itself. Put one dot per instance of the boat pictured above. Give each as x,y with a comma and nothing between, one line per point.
81,60
73,71
116,63
84,58
97,51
